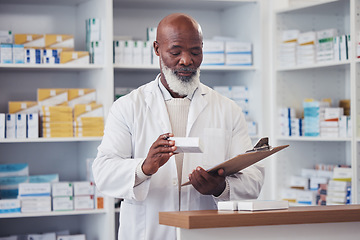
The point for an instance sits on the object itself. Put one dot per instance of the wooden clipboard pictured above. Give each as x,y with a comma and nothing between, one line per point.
242,161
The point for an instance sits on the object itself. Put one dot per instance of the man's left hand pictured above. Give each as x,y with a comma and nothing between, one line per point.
206,183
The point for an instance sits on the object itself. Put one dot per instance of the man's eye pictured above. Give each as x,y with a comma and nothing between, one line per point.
175,53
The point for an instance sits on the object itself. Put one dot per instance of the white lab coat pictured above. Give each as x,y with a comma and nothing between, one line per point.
134,122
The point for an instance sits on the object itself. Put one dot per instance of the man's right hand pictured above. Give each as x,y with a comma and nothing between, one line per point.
160,152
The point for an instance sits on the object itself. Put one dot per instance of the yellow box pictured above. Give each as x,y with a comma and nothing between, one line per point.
88,110
81,96
58,130
52,96
89,122
74,57
23,107
89,134
52,135
59,41
57,109
57,119
30,40
54,125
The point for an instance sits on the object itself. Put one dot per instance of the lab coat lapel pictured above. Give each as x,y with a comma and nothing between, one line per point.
198,103
155,101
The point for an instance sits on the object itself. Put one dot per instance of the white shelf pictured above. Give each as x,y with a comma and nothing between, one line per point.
60,67
39,140
187,4
310,7
47,214
313,139
45,2
316,65
118,67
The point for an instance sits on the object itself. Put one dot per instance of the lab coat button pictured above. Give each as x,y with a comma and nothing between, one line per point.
175,182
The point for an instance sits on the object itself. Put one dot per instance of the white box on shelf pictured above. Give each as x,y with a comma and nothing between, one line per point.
82,188
10,126
6,53
10,205
63,203
71,237
18,53
2,125
60,189
84,202
6,36
21,125
137,52
33,125
35,204
34,189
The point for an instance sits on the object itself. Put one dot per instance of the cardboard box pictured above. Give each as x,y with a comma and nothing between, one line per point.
6,53
81,96
52,96
74,57
6,36
23,107
35,204
34,189
33,125
30,40
18,54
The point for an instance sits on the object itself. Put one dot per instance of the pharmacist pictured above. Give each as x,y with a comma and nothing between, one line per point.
136,160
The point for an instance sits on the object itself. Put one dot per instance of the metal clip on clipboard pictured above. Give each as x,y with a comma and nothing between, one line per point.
261,145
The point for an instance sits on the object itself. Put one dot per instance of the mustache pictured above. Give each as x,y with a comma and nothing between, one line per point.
185,69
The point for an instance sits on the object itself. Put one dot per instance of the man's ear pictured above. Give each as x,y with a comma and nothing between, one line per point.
156,48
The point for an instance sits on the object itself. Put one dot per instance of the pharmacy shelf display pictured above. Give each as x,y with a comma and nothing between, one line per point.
119,18
66,157
314,73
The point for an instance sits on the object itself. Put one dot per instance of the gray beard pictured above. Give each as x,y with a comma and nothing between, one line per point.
184,86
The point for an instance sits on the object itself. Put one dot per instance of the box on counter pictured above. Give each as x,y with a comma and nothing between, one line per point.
82,188
74,57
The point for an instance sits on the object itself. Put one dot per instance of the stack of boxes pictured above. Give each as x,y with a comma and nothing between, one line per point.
62,196
88,120
306,51
240,95
323,185
84,195
330,126
327,50
290,125
313,114
94,42
35,197
311,47
127,51
63,113
227,52
287,49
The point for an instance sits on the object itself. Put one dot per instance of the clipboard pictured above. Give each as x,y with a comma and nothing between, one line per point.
260,151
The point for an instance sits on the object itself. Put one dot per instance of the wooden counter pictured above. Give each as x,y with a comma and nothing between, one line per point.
333,221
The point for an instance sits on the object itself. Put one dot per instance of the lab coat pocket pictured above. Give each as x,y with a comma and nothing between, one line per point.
216,142
132,221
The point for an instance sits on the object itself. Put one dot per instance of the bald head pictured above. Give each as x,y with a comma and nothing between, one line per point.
177,23
179,43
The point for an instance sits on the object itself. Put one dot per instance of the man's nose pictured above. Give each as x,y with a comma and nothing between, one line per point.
186,59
